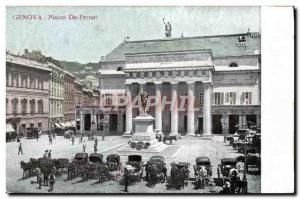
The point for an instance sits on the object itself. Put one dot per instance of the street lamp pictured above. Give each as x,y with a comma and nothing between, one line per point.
245,190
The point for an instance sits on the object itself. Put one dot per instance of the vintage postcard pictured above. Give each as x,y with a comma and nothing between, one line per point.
118,100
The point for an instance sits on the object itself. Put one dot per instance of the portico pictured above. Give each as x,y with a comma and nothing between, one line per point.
172,84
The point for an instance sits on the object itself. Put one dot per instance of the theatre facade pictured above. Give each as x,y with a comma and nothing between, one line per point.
196,85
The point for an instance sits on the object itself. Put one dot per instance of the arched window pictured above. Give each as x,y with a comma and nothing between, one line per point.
40,106
233,64
15,105
24,106
32,106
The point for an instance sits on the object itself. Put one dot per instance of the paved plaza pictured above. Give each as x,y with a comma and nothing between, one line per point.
182,150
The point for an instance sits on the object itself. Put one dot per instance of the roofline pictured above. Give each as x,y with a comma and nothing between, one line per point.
184,38
30,66
169,52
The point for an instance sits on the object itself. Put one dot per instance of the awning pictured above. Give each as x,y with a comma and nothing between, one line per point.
63,124
73,123
68,124
57,125
9,128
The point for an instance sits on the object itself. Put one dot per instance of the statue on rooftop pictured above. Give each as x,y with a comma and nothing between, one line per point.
168,28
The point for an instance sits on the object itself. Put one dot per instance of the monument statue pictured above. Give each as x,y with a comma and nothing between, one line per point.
168,28
144,96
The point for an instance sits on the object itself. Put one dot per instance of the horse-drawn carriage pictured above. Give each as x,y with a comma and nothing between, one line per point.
134,167
68,134
179,175
230,174
227,166
95,160
156,170
170,138
203,172
251,160
113,162
79,166
32,133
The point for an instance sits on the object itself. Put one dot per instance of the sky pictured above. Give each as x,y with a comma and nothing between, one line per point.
87,40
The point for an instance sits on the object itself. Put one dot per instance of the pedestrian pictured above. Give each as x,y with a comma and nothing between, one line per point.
96,141
54,136
49,154
39,179
45,155
20,149
95,148
84,146
103,136
81,138
126,179
50,139
52,181
37,137
73,139
46,177
18,139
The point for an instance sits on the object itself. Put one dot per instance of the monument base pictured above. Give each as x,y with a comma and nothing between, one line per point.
144,135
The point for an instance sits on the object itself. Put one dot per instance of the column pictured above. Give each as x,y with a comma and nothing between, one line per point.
190,111
81,122
128,111
158,107
174,109
206,109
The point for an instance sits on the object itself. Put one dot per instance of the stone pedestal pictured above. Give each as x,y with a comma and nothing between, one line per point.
143,133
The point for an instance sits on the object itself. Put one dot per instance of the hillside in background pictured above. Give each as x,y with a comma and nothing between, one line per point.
77,67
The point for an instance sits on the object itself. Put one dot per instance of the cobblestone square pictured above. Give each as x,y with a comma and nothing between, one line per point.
182,150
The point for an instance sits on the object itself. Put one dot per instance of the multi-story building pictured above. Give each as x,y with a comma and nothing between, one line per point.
27,93
69,97
56,99
211,83
56,95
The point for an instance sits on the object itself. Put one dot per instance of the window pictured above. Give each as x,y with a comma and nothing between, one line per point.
230,98
24,106
15,80
32,106
100,121
15,106
201,98
32,82
31,125
23,128
218,98
40,84
24,81
241,38
39,126
233,64
246,98
108,99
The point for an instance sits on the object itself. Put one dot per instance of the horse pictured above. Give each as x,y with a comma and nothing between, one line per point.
27,168
103,173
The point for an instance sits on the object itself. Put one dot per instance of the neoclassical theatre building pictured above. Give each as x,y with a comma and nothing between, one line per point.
216,79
